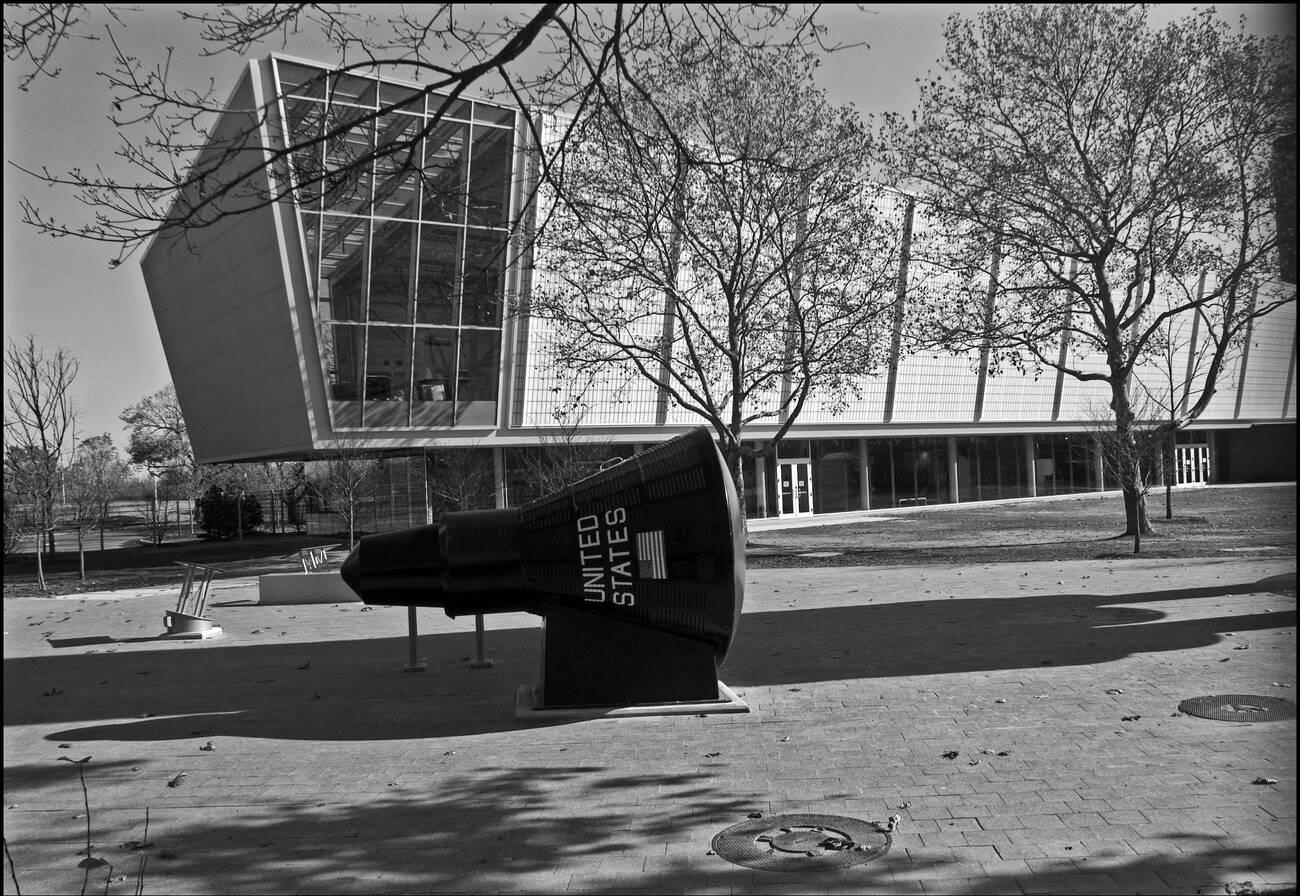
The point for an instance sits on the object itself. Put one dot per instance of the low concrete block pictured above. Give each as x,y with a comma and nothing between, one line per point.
304,588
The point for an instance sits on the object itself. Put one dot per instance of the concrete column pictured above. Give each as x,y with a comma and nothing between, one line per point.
954,492
1101,471
864,480
1029,466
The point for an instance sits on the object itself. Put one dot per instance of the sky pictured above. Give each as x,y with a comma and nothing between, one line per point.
63,292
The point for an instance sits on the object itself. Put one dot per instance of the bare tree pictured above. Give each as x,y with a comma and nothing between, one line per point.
159,441
1087,170
1171,381
560,458
17,524
20,519
346,479
717,239
158,516
1140,448
39,430
90,481
460,479
286,481
552,55
158,437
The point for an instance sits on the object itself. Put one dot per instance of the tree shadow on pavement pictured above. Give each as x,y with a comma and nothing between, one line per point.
492,829
446,823
946,636
355,689
1195,864
579,828
322,690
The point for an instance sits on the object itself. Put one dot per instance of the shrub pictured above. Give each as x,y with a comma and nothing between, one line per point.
219,513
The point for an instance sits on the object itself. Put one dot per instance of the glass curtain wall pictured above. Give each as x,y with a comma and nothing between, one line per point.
990,468
837,475
406,230
829,469
1065,464
908,472
918,471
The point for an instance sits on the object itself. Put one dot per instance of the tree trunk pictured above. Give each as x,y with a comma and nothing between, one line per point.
738,478
1137,523
1129,460
1171,458
40,562
735,462
49,532
44,532
81,556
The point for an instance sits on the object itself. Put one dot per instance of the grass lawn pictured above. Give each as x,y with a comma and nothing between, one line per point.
1236,521
1223,521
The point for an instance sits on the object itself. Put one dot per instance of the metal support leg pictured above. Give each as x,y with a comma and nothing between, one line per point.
200,603
415,665
182,605
480,661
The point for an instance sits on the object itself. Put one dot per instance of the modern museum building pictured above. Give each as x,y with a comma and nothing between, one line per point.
383,314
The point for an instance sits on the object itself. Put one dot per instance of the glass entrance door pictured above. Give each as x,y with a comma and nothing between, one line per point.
795,483
1192,464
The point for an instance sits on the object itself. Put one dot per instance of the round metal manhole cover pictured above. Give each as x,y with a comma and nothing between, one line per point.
801,843
1239,708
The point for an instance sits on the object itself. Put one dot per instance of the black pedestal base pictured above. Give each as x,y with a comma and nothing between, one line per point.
590,660
529,708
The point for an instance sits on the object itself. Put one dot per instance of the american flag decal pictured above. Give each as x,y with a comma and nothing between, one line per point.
650,562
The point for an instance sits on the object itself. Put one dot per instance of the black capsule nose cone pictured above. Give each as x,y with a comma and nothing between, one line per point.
396,568
351,570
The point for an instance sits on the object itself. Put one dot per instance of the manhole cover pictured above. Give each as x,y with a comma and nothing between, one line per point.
1239,708
801,843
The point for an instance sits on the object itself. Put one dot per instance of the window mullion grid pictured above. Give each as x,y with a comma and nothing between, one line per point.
467,172
367,257
419,236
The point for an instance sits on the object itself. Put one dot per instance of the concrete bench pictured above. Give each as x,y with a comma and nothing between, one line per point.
304,588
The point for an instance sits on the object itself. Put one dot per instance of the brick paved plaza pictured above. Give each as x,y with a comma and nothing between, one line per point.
313,764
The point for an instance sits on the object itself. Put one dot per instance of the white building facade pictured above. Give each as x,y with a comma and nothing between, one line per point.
379,311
